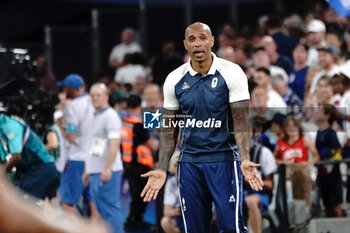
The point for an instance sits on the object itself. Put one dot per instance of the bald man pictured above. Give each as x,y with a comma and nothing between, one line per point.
103,166
213,93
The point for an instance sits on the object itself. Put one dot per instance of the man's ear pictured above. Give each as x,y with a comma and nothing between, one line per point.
212,41
185,44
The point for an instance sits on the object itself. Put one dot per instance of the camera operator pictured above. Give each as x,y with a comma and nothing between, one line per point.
22,149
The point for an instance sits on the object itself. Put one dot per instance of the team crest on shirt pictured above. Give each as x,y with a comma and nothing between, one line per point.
214,82
10,135
185,86
232,198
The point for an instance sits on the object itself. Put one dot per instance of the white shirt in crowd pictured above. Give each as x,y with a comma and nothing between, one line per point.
105,125
79,114
129,73
119,51
171,192
267,161
276,101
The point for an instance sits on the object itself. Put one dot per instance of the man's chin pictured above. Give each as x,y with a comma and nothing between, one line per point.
199,59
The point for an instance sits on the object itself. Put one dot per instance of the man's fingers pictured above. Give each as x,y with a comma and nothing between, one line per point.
155,194
144,191
149,195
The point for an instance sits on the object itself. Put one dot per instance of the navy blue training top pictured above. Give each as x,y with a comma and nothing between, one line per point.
207,127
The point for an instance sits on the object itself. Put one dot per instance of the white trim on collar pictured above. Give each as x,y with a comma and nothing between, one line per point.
211,71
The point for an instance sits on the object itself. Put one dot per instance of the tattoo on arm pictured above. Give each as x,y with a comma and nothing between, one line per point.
168,139
240,113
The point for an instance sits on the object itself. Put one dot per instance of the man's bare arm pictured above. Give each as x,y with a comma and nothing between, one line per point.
168,139
240,114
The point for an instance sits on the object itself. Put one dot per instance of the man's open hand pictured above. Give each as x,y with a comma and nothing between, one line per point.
156,180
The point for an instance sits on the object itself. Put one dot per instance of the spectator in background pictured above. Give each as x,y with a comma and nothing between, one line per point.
285,43
165,63
328,146
242,57
328,62
275,132
324,92
103,164
294,26
172,221
152,97
258,103
142,162
260,125
223,40
297,78
261,58
132,69
333,39
78,116
257,201
293,150
294,103
262,78
315,39
47,80
139,86
310,98
22,149
127,45
276,59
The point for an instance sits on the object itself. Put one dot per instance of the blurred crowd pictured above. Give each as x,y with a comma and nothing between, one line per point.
298,69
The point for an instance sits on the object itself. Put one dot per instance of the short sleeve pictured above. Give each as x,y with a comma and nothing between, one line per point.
113,126
71,119
237,84
15,138
333,140
170,100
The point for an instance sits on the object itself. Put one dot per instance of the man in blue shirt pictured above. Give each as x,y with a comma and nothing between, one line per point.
21,148
213,95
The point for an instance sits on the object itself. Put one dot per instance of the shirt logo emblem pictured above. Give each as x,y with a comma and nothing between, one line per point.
232,199
214,82
185,86
151,120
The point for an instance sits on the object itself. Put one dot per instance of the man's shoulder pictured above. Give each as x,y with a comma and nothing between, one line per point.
225,64
177,74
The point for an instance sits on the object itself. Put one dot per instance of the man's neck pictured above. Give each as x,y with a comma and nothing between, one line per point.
101,108
202,67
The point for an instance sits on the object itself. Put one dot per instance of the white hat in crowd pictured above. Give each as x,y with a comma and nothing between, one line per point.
57,114
316,25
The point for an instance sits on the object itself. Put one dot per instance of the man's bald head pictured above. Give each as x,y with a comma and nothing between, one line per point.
198,25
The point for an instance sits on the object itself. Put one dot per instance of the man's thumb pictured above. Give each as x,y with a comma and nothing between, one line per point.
146,174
